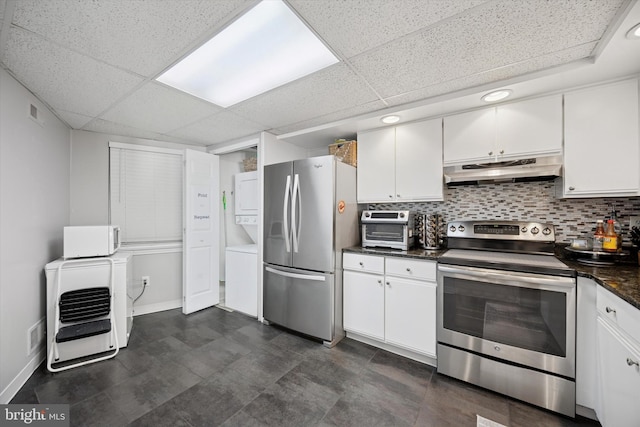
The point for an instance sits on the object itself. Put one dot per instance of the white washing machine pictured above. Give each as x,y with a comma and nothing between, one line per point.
241,279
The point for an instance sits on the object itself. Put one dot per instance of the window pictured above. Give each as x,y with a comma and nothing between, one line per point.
146,193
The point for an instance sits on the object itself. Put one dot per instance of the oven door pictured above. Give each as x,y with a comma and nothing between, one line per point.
527,319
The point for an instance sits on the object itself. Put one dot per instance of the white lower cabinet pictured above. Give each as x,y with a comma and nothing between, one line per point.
619,372
363,303
586,345
410,307
396,306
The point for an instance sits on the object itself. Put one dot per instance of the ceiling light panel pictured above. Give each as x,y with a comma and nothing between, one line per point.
265,48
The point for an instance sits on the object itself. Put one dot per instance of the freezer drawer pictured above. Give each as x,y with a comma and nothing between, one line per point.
300,300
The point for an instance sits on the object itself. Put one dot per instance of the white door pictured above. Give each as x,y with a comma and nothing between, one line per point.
201,288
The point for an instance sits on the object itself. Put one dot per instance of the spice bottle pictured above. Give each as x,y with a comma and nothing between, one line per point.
598,237
610,242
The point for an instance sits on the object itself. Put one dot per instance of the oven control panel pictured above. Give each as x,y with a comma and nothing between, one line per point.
502,230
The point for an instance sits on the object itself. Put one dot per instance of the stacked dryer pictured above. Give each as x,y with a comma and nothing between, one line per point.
241,269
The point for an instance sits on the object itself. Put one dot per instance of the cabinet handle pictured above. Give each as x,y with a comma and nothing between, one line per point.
397,195
361,264
610,310
388,284
632,362
572,188
408,269
501,151
491,153
391,196
380,281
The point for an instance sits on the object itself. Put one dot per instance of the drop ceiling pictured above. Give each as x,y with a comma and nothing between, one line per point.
94,62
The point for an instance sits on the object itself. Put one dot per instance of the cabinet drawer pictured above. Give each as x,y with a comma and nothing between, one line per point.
358,262
619,312
403,267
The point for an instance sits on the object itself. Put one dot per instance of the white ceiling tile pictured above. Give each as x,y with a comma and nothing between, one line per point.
104,126
158,108
503,73
357,26
321,93
76,121
221,127
466,45
65,79
143,36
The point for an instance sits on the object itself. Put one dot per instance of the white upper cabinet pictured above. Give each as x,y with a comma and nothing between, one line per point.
470,137
601,153
530,128
376,166
511,131
401,164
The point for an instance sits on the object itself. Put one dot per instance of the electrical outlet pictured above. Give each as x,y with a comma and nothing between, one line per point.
634,221
146,281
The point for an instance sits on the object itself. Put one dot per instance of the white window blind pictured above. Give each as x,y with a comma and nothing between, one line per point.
146,194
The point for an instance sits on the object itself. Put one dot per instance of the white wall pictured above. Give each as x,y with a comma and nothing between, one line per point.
34,193
90,205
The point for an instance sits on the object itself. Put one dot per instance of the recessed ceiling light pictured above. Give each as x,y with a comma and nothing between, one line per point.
634,33
390,119
267,47
497,95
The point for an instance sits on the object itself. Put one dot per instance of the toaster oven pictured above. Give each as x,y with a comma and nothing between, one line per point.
387,229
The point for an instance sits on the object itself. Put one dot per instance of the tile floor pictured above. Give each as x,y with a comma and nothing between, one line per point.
220,368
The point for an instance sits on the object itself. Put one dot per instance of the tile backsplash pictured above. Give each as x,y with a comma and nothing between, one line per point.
532,201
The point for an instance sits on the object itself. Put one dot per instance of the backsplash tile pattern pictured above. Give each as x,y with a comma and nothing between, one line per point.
533,201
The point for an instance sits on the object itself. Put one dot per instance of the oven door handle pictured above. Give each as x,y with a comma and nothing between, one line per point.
538,281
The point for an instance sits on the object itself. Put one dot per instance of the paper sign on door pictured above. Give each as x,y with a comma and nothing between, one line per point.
201,200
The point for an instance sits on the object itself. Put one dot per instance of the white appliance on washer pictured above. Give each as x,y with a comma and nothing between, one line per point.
241,261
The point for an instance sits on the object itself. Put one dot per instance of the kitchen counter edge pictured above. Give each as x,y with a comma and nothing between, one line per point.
623,280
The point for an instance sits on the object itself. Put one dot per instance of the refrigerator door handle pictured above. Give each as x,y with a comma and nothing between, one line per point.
285,214
296,275
296,208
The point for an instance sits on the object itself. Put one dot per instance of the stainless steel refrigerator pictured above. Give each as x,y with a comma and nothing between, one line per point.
310,214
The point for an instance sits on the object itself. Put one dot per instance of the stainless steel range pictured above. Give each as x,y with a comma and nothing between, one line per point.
507,310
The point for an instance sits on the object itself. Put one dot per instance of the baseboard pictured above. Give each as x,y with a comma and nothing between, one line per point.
16,384
154,308
586,412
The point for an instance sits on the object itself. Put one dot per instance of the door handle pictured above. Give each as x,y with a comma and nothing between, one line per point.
285,214
296,207
296,275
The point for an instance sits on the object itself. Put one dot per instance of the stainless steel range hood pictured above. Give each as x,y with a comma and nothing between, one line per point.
532,169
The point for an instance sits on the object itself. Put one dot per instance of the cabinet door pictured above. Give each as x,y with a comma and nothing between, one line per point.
586,346
376,166
530,128
470,137
410,314
619,378
363,305
601,141
419,161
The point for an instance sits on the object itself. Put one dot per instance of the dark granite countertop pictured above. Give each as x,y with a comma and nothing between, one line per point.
621,279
